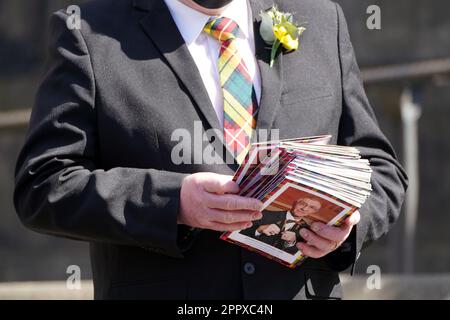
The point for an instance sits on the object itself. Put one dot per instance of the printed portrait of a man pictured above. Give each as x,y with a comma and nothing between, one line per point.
282,229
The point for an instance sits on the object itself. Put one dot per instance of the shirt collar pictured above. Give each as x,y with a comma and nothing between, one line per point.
190,22
289,216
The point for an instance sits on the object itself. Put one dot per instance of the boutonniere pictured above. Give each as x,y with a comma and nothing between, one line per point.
279,30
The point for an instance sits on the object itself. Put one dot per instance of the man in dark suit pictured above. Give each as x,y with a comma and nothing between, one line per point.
98,164
283,230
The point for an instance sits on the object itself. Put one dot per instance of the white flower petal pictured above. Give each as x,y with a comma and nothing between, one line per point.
266,28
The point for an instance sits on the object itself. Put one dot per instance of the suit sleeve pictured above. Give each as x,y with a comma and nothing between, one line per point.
359,128
59,188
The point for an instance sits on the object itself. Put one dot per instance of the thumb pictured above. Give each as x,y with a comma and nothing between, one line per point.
353,219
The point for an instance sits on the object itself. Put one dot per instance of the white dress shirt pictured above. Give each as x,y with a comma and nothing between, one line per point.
286,226
289,225
204,49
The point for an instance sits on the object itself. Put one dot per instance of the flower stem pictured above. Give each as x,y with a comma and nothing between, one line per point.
274,51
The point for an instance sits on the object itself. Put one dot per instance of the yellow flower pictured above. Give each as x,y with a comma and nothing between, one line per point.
279,30
287,39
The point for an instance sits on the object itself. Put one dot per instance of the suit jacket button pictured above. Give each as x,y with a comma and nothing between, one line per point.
249,268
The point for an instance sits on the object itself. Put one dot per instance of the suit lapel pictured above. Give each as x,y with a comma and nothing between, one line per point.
272,78
160,27
158,23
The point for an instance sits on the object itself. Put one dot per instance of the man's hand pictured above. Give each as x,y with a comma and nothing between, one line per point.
208,201
269,229
326,239
289,237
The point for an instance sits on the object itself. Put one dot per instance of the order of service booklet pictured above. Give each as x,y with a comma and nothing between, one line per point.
300,181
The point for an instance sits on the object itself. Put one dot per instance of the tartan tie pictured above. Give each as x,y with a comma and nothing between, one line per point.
240,104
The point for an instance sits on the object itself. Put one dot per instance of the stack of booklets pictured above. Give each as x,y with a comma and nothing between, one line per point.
300,181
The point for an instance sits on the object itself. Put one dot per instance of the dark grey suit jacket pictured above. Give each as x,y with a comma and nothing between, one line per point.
96,164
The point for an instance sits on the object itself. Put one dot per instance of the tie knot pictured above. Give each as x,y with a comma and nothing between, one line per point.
222,28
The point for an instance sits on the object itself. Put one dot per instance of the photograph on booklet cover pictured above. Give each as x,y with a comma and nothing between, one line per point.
288,209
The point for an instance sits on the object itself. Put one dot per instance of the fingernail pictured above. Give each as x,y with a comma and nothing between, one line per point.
248,225
316,226
258,205
257,215
304,233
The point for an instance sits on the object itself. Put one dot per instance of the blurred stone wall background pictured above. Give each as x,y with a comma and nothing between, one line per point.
411,31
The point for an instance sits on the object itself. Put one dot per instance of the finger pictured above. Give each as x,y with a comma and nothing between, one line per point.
220,184
230,217
317,241
233,202
310,251
336,234
217,226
